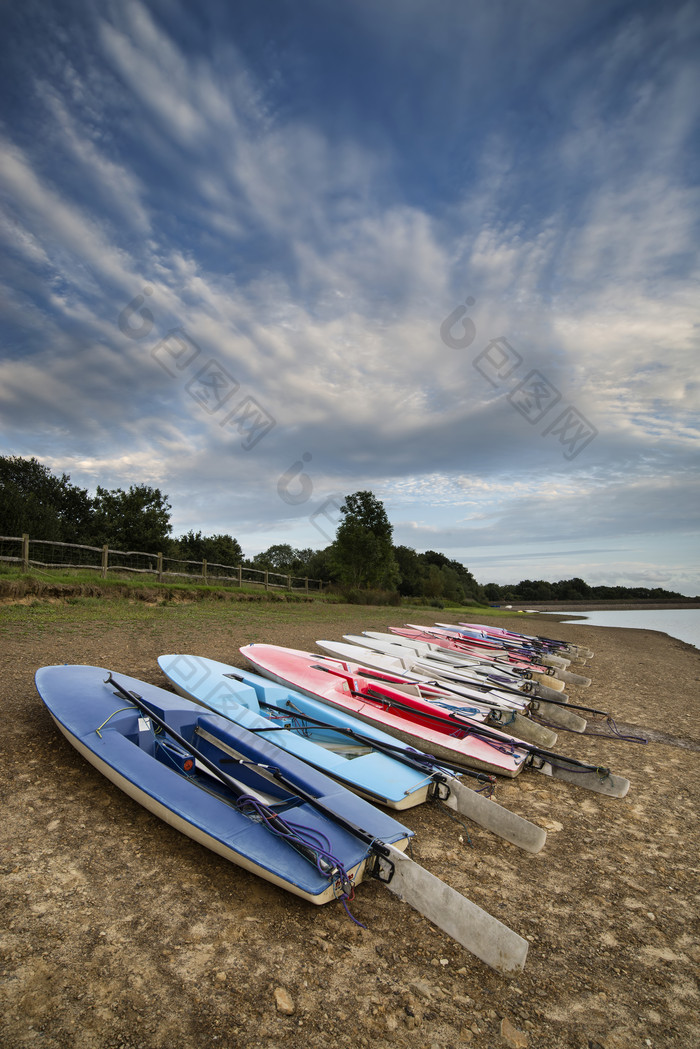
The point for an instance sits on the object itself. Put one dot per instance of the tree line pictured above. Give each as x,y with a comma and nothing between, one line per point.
361,561
576,589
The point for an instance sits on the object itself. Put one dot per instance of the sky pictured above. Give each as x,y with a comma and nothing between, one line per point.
261,256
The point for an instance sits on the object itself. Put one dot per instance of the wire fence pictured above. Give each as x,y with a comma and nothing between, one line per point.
48,554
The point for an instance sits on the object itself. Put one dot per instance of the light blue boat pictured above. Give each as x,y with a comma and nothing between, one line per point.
279,714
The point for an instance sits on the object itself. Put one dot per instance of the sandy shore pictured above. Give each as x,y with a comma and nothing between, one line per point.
118,933
567,609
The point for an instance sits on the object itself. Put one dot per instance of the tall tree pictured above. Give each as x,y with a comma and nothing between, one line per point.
135,520
363,550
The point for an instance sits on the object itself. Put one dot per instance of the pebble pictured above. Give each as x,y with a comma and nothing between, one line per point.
462,999
422,988
283,1001
512,1036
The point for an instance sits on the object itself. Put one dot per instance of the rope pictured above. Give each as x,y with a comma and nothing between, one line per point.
344,901
303,838
616,732
119,711
457,707
297,835
504,748
299,721
426,779
456,819
607,718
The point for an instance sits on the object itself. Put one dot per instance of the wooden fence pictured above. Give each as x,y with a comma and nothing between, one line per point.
25,551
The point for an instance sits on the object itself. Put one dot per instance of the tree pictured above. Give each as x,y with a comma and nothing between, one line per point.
34,500
453,580
135,520
321,565
534,590
363,550
286,560
303,560
281,557
216,549
434,583
411,571
575,589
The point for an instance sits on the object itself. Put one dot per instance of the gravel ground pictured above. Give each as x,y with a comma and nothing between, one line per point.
119,932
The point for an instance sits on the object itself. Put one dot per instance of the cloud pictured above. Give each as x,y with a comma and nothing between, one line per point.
310,227
79,246
155,72
117,189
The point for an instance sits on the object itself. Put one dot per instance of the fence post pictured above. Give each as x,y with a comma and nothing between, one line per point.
240,576
204,572
306,584
289,582
266,574
25,551
105,560
159,567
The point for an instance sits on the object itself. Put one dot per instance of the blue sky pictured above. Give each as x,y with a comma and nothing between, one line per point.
264,255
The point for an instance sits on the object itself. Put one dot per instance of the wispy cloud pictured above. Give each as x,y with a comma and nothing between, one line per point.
310,220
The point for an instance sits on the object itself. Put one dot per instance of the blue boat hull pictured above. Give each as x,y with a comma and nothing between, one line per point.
258,703
153,769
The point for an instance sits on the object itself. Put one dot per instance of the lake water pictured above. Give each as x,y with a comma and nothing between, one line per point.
683,623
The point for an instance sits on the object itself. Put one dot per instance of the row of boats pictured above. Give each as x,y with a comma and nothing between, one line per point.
299,769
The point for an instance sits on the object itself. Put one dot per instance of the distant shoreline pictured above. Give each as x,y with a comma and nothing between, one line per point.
574,607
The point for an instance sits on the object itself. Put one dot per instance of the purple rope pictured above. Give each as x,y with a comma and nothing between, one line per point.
504,748
627,739
614,730
296,833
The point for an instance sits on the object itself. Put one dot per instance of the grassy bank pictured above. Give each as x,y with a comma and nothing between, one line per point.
82,582
170,620
79,586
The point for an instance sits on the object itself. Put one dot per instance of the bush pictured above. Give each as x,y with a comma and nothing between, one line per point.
355,596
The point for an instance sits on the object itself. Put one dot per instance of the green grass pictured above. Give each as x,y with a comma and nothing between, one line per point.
138,583
37,583
89,612
83,622
35,603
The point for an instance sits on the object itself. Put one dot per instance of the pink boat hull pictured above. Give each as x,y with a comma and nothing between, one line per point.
341,684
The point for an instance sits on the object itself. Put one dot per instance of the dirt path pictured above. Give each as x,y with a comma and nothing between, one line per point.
119,933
